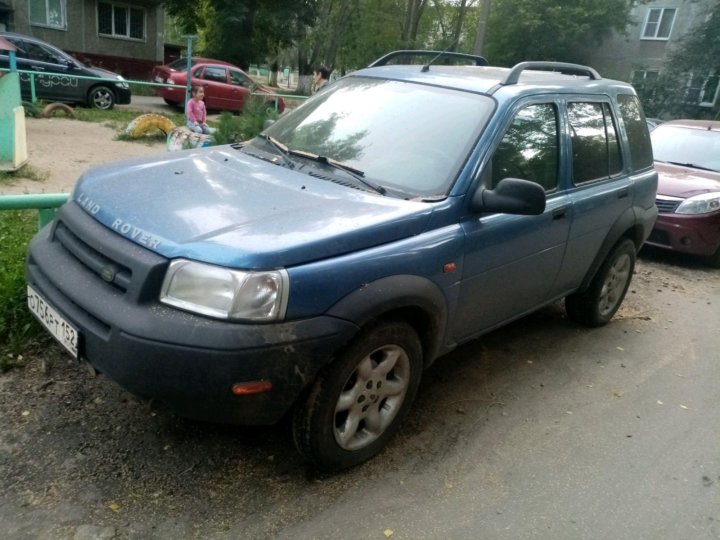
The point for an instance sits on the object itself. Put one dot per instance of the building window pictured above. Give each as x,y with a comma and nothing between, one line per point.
703,90
47,13
659,23
119,20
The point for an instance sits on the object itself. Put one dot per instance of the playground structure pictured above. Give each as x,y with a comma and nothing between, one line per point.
13,138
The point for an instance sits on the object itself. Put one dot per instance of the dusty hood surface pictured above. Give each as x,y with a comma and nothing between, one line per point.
679,181
222,206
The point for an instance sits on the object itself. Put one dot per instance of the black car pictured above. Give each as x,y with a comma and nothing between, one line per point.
60,75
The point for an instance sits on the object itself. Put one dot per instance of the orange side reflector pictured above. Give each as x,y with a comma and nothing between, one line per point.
449,268
249,388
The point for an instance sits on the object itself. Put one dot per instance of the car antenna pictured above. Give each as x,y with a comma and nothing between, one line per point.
426,67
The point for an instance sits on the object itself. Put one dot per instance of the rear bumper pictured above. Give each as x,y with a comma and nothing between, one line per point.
188,362
694,234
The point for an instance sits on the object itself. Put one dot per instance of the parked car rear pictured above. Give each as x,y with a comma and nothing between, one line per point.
687,158
227,87
57,75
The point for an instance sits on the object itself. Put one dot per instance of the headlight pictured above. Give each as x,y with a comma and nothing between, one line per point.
122,84
224,293
700,204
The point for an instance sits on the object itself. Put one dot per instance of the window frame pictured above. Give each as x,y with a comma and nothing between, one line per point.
644,34
607,108
551,101
47,24
128,20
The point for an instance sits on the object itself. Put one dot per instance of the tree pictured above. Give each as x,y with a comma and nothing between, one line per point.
521,30
690,75
243,31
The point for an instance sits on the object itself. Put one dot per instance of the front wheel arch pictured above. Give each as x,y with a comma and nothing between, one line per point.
413,299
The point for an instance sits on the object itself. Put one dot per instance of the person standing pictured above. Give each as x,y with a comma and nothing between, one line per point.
320,78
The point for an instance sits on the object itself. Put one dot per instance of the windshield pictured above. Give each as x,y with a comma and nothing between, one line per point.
687,146
404,136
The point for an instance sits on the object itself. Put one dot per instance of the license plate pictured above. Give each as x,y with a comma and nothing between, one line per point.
61,330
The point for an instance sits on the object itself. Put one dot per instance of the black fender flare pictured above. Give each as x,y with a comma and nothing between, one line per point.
416,299
626,226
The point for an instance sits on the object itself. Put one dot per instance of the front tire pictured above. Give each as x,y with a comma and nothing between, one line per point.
101,97
597,305
359,401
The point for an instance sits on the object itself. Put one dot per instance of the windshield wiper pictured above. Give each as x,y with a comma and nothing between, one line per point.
283,150
691,165
352,171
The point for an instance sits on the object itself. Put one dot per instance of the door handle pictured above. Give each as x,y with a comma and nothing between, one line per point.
624,192
559,213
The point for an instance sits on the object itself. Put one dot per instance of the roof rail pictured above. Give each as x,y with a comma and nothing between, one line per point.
478,60
562,67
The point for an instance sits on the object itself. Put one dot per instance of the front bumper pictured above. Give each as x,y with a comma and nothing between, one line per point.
694,234
123,96
186,361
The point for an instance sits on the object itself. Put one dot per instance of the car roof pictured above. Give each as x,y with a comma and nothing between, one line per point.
491,79
709,125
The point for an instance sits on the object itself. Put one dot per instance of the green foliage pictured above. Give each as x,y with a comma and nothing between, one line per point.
18,327
550,29
232,129
242,31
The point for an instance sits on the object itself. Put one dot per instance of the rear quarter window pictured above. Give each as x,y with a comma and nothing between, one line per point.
641,155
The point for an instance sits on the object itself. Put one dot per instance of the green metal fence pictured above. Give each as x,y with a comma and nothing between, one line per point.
45,204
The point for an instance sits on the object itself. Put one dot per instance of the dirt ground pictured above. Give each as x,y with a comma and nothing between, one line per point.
61,149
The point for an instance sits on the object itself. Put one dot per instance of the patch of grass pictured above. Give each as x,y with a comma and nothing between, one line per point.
26,171
141,89
18,328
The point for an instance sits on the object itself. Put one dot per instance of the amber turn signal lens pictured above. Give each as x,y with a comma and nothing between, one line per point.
249,388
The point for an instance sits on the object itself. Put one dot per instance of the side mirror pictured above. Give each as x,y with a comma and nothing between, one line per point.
511,196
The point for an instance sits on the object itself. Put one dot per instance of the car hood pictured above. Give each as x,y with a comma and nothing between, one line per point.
678,181
225,207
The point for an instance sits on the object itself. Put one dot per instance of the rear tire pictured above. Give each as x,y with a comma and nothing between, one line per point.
597,305
359,401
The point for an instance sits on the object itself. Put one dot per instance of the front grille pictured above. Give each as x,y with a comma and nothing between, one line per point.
666,205
108,270
120,264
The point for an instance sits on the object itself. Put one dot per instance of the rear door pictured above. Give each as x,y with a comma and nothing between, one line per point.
600,185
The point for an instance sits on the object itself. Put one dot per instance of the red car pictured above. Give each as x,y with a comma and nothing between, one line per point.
227,87
687,159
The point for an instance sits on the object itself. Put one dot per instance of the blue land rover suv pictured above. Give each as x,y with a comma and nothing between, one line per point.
316,270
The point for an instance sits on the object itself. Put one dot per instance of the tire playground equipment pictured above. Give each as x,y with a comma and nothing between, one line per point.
182,138
147,123
52,108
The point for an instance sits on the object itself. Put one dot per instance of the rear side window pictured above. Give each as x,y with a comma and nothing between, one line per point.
529,148
641,155
595,146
